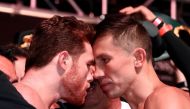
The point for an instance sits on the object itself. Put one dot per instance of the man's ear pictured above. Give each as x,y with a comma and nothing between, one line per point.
140,57
65,60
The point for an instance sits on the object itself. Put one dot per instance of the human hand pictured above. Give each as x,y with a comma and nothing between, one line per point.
148,14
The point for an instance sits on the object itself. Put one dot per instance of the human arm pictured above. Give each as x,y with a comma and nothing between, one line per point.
150,16
148,2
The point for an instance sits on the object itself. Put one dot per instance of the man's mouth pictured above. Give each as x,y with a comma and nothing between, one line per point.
105,85
92,86
104,82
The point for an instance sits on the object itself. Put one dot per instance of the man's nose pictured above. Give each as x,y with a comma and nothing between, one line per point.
99,73
91,74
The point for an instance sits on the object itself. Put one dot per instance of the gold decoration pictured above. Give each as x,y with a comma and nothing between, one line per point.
26,41
182,27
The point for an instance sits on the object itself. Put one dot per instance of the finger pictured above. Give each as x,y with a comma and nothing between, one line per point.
130,10
126,10
136,9
145,11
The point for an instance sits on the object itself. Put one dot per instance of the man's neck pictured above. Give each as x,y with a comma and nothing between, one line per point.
114,104
111,104
43,84
144,84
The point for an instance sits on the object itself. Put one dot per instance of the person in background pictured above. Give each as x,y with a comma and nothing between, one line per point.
9,97
7,64
18,56
13,57
123,56
169,73
96,99
166,71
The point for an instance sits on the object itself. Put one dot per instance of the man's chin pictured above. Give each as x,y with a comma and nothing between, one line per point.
78,102
75,101
91,102
110,94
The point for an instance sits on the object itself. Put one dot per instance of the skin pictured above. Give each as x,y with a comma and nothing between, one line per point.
78,78
112,80
63,78
130,75
19,65
8,68
96,99
14,70
145,11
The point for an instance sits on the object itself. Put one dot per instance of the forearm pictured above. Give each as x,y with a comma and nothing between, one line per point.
179,53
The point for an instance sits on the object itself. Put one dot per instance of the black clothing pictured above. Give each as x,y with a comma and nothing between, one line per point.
10,98
66,106
179,53
158,46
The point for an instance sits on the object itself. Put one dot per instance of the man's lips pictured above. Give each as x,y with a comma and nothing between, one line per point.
104,84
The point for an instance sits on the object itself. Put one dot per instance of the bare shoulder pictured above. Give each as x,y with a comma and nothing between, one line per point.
29,95
168,98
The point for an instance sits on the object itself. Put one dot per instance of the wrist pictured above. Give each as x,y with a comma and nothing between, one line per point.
182,85
158,22
164,29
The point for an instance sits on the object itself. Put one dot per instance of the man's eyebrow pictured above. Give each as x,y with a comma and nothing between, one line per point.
101,55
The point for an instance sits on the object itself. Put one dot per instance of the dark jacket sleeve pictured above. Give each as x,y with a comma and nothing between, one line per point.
10,98
179,53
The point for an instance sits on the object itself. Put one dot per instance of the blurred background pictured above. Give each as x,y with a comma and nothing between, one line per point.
17,16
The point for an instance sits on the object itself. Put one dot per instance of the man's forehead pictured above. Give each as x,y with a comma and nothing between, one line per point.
107,49
88,47
102,51
103,45
88,54
104,37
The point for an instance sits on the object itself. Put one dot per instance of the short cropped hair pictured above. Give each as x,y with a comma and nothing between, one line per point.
55,35
126,31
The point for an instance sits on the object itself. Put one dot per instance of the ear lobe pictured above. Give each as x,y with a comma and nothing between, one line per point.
65,60
140,56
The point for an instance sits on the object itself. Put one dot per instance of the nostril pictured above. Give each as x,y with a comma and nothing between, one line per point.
99,73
